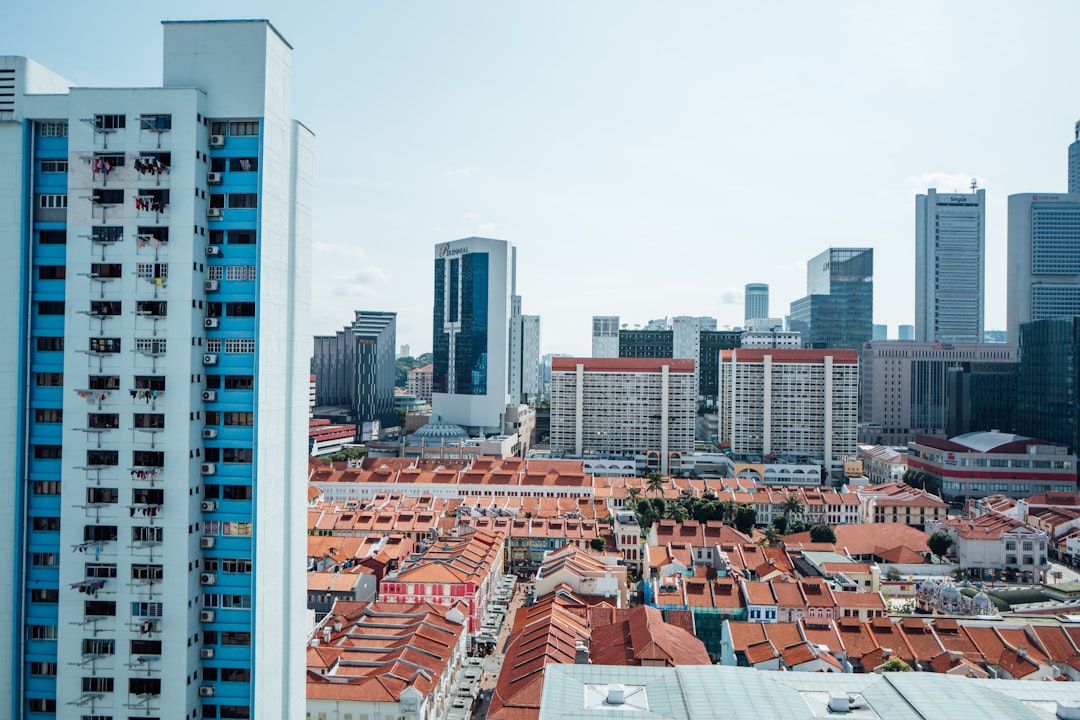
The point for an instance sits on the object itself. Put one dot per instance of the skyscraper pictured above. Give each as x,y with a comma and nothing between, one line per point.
356,369
1074,161
838,309
605,336
756,304
1043,259
950,266
147,569
1048,381
474,285
525,371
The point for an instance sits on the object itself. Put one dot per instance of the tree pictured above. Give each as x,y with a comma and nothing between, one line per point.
679,512
892,574
923,480
349,453
598,544
939,543
792,505
745,517
632,494
822,534
655,483
780,523
895,664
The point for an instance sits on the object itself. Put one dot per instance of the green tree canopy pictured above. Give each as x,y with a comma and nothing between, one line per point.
939,543
745,517
822,534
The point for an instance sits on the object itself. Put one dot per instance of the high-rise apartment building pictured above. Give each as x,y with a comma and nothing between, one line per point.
905,389
1043,259
605,336
623,406
756,301
525,370
905,332
795,403
1074,161
950,266
474,290
838,309
356,368
156,363
693,338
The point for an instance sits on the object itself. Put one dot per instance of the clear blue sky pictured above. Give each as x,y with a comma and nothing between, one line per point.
647,158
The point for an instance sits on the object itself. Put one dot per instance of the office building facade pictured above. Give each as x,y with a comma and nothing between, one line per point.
474,290
838,309
950,266
149,573
605,336
1047,382
756,301
355,369
794,403
1074,161
525,371
1043,259
905,389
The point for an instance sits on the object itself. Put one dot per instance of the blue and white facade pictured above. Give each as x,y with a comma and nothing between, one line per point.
155,372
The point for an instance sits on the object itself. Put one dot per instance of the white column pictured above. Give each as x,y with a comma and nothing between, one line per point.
664,395
766,405
579,395
828,420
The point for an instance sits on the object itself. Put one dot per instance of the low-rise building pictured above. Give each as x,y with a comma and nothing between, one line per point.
897,502
590,577
990,545
385,660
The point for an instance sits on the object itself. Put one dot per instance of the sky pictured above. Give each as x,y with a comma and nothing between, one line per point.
647,159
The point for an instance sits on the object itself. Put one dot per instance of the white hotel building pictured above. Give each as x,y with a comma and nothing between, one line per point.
624,407
797,403
155,363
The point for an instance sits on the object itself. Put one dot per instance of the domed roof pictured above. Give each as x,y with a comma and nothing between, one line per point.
982,603
928,584
441,430
950,593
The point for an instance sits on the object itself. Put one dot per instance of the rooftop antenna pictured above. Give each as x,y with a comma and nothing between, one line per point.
974,185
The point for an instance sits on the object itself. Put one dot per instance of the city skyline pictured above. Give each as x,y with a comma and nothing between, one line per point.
738,159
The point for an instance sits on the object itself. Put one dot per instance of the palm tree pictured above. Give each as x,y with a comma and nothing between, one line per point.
792,505
655,483
632,494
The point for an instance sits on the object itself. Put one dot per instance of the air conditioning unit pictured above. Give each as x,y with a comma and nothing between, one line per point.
217,141
209,359
210,285
208,579
206,616
213,212
209,395
213,251
209,433
208,505
206,653
206,543
207,690
210,323
213,178
209,469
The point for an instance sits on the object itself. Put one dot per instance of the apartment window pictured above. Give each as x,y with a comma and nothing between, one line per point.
97,684
237,565
246,164
52,202
215,272
151,271
150,346
239,382
46,524
235,601
49,415
99,533
235,675
103,196
235,638
232,309
213,382
52,272
42,705
107,234
48,452
104,345
146,609
99,608
110,122
149,421
46,379
41,632
151,308
43,559
51,307
241,200
148,458
147,534
44,595
52,237
54,166
243,128
240,345
102,457
57,128
240,272
144,686
104,382
239,418
100,496
43,669
150,382
106,270
236,455
217,200
145,647
98,646
155,122
235,492
46,487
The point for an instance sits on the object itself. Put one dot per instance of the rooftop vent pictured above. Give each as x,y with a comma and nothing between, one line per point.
616,695
839,702
1068,710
